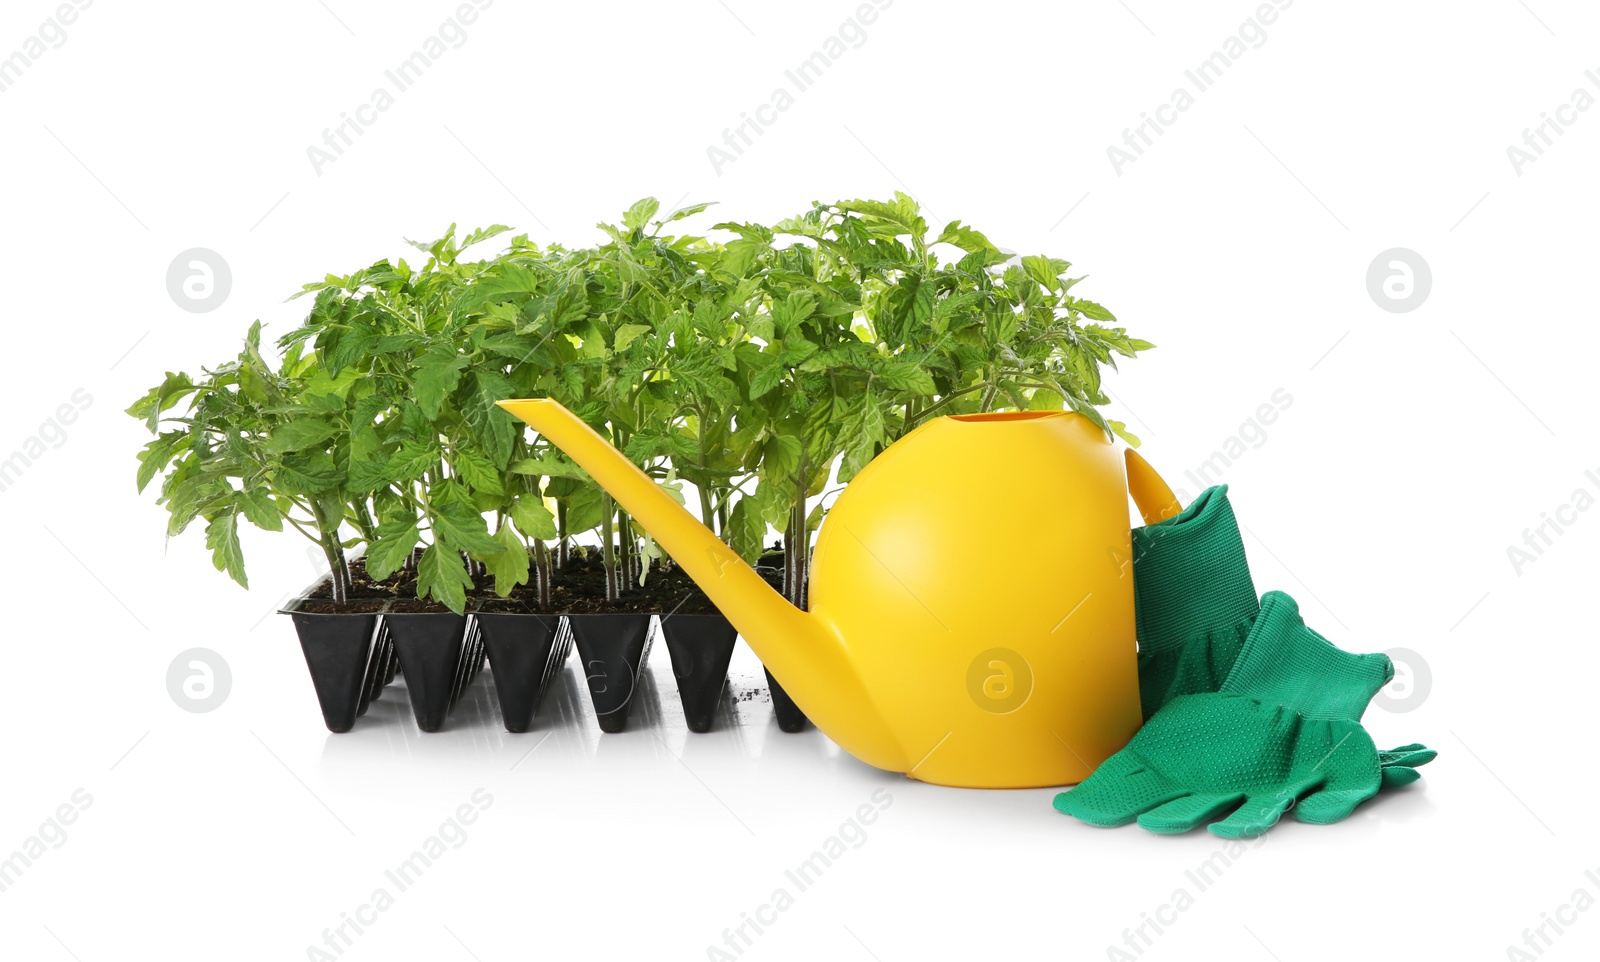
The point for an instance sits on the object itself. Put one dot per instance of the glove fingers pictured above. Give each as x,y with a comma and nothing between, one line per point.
1326,807
1117,793
1393,776
1255,816
1187,813
1106,807
1410,756
1096,808
1402,750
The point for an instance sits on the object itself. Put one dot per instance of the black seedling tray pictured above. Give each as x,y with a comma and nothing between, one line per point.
526,652
790,718
612,649
352,657
338,651
701,647
440,654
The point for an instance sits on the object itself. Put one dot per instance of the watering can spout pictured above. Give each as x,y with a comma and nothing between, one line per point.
801,651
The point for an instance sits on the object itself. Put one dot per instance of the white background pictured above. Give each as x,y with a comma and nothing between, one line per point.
1418,447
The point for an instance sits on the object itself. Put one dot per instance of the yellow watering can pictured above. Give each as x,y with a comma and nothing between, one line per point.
971,594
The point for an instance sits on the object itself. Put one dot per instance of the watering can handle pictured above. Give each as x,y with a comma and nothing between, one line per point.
1155,500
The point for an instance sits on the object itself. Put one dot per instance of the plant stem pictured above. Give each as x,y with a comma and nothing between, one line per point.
608,550
796,550
333,551
626,550
562,549
943,401
542,573
707,514
364,522
338,574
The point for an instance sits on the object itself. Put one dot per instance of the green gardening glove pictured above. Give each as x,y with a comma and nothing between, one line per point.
1400,764
1193,600
1282,734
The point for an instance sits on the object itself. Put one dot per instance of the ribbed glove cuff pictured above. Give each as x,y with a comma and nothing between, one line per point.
1190,575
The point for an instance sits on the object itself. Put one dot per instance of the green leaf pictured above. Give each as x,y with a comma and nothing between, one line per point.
495,429
159,453
780,456
160,398
797,352
411,462
549,468
738,256
640,213
761,326
898,218
688,211
790,312
343,346
627,334
532,518
746,530
910,304
477,471
960,235
299,434
1045,270
222,537
1093,311
561,308
814,519
1044,399
367,474
309,473
860,434
674,490
583,510
461,527
510,565
483,234
442,574
905,376
1121,431
321,383
772,502
437,374
768,375
396,539
260,509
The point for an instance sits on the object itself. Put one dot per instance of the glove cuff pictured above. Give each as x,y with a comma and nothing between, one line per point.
1283,662
1190,575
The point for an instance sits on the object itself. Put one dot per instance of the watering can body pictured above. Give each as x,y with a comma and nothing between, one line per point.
971,613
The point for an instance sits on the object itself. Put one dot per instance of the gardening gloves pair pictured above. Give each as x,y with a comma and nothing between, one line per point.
1249,712
1282,733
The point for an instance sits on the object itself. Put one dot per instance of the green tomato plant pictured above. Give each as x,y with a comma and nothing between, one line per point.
256,444
757,368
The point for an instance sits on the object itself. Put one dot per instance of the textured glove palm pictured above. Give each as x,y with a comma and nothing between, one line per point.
1282,734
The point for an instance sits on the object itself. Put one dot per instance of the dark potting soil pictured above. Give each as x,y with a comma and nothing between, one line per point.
358,606
578,588
419,606
361,585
